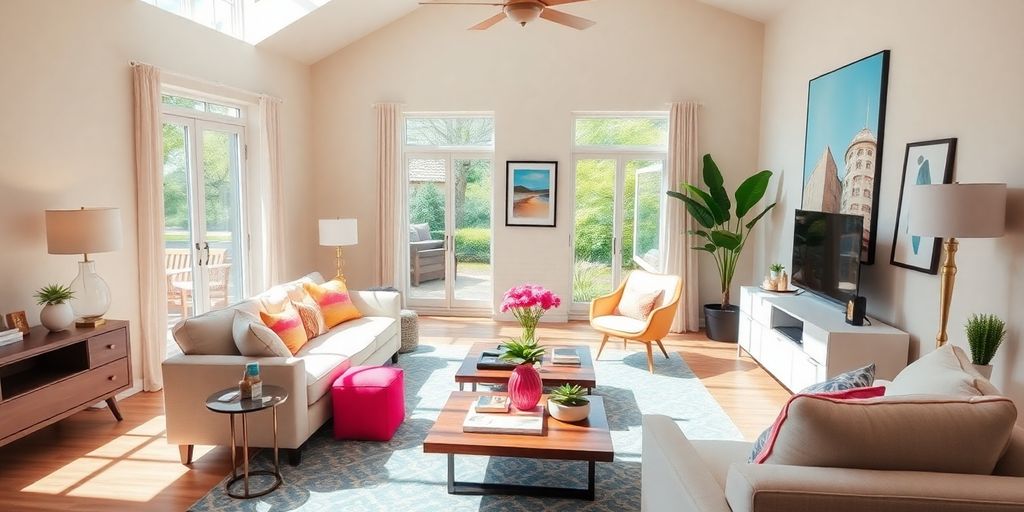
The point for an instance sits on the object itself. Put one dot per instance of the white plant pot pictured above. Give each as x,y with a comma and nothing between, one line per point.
568,414
774,275
984,369
57,317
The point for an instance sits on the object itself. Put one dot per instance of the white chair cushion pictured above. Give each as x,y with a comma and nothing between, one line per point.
718,455
905,433
619,323
638,303
254,339
944,371
210,334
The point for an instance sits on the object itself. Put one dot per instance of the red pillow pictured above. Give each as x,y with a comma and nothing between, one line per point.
773,433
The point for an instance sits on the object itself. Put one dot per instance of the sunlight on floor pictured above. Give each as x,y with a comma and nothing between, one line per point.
135,466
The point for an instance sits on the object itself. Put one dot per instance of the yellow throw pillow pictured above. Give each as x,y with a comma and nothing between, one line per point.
334,301
288,325
312,317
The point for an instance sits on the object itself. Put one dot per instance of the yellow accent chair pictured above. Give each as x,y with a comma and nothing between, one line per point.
606,318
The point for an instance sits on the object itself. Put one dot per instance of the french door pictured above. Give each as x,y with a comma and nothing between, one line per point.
448,235
612,227
205,240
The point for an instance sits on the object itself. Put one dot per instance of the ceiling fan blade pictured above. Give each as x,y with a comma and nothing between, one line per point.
489,22
559,2
566,19
463,3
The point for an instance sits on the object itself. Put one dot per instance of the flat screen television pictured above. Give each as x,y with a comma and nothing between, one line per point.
826,254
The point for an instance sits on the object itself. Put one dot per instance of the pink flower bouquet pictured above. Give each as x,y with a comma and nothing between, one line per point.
528,303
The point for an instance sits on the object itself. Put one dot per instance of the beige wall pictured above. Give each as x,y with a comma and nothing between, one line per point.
66,129
639,56
955,71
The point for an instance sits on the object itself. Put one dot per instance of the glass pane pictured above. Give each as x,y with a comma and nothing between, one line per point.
223,16
223,212
177,224
622,131
450,131
473,230
175,6
646,215
181,101
427,181
223,110
594,218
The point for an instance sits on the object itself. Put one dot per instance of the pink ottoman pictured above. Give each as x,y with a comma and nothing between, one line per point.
369,403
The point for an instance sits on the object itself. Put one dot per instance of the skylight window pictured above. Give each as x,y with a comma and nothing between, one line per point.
249,20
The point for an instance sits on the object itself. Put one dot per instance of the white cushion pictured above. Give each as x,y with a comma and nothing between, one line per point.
422,232
905,433
944,371
619,323
718,455
637,302
349,343
321,371
254,339
275,299
210,334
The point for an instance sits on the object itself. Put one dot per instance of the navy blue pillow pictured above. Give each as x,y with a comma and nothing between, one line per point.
859,378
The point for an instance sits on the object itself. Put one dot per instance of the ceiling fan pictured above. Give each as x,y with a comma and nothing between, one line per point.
525,11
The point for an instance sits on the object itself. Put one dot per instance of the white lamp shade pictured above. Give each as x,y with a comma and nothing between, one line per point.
958,210
338,232
84,231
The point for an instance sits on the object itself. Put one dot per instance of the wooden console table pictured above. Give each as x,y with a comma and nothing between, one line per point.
49,376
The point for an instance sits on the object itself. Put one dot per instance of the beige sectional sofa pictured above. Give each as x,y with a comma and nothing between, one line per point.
210,362
714,476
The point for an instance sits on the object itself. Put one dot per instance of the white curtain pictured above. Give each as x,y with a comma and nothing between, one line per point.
150,205
683,166
387,191
272,194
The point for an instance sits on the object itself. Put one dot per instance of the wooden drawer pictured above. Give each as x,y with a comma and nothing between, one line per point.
108,347
52,400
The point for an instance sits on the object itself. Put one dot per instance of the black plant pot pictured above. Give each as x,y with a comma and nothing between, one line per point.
722,324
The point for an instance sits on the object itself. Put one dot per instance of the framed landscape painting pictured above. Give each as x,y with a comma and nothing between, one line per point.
843,145
925,163
531,195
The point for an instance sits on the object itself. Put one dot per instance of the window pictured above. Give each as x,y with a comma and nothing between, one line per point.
869,152
184,102
619,162
449,181
221,15
859,163
860,151
867,193
855,193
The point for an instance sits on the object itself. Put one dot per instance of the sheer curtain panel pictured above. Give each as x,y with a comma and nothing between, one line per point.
150,206
272,195
387,190
683,166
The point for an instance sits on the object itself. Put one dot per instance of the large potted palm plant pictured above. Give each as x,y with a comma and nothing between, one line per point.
724,234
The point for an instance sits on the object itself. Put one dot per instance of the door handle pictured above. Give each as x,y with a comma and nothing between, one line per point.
199,255
206,249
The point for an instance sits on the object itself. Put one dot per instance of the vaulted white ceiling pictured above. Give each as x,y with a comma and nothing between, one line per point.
339,23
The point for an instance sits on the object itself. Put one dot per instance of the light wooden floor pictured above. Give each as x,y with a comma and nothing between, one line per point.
89,462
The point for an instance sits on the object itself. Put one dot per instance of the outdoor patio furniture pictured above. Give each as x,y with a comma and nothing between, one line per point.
179,278
426,256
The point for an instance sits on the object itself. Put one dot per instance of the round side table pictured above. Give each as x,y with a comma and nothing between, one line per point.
272,397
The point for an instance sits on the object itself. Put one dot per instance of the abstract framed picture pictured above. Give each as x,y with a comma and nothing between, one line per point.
531,193
843,143
925,163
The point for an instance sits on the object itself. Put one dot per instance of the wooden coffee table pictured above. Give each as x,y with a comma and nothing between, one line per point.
588,441
552,375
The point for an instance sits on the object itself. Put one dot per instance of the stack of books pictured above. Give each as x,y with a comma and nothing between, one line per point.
491,360
529,423
565,357
10,336
492,404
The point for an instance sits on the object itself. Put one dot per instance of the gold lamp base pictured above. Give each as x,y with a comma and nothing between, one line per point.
948,276
339,263
92,321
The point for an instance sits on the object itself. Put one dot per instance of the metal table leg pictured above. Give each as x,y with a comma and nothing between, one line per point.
484,489
246,474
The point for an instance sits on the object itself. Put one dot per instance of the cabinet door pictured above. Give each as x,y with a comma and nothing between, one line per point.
805,371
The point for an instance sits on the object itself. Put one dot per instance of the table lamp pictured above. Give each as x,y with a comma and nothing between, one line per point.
338,233
958,210
85,231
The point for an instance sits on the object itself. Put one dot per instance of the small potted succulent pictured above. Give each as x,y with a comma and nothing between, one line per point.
57,314
569,403
984,335
524,385
775,270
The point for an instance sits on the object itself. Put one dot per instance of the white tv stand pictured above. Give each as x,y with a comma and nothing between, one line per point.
803,339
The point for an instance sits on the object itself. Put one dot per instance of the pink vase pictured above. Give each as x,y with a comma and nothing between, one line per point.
525,387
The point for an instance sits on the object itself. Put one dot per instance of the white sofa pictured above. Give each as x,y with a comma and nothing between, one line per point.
681,475
211,362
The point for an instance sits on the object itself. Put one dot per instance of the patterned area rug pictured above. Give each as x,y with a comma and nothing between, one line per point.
398,476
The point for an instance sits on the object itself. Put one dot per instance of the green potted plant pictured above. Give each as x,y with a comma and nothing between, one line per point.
724,234
984,335
775,269
524,385
569,403
57,314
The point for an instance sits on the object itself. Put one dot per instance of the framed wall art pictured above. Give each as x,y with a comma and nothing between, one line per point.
843,145
531,193
925,163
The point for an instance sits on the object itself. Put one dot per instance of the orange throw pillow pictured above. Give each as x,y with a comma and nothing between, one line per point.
288,325
334,301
